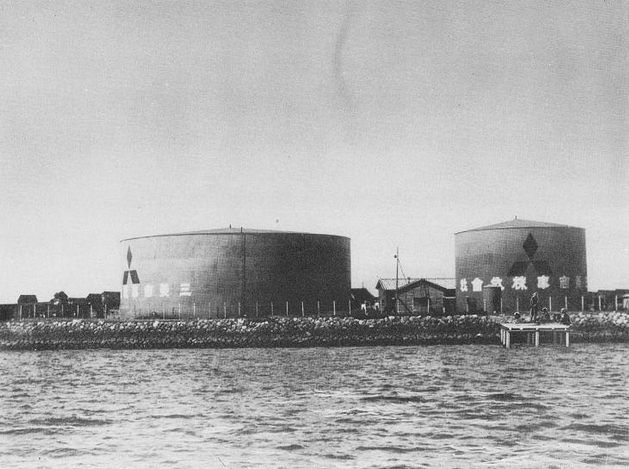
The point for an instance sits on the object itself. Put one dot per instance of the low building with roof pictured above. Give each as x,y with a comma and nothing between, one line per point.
26,306
606,300
102,304
7,312
421,296
27,300
363,298
111,301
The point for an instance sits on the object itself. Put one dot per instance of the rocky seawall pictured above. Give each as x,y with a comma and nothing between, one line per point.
612,326
284,332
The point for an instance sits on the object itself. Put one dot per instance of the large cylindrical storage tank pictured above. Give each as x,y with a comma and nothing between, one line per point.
235,272
521,257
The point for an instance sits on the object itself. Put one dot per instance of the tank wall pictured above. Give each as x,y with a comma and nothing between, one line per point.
555,266
231,274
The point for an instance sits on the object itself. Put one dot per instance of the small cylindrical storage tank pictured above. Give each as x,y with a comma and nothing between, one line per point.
521,257
492,296
235,272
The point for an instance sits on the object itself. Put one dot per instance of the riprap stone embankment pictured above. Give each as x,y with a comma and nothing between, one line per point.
285,332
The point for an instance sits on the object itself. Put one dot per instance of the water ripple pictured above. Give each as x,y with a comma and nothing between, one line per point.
463,406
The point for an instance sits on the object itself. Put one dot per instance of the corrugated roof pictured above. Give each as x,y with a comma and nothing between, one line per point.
389,283
222,231
518,223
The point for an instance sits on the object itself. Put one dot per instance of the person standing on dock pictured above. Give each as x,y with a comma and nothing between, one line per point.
534,307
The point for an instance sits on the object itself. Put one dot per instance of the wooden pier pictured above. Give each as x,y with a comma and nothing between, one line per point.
561,332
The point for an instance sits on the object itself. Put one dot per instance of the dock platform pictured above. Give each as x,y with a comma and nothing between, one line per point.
561,332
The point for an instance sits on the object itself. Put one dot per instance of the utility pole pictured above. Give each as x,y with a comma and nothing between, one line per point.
243,286
397,276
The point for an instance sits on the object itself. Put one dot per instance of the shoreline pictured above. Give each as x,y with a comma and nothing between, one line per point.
276,332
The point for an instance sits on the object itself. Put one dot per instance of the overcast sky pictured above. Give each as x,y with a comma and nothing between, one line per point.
392,123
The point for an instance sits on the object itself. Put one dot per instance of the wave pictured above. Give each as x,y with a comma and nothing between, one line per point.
391,449
61,452
504,397
69,422
394,399
610,430
28,430
341,457
593,442
293,447
175,416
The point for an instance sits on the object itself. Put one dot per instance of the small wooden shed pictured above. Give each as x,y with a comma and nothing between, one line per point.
417,296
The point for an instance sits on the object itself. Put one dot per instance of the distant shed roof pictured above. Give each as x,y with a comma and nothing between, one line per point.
518,223
362,294
23,299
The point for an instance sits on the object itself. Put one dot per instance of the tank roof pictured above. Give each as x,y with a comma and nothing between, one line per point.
228,231
518,223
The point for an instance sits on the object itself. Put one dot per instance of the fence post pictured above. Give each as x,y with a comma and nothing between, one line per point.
287,308
334,307
550,303
194,310
302,309
272,309
349,307
582,304
318,309
239,309
179,311
599,303
257,310
565,302
517,303
224,310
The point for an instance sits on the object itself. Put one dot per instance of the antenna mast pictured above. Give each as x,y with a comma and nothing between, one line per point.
397,278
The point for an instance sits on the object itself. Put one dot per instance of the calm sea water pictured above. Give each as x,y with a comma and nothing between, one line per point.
395,407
